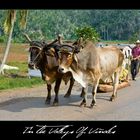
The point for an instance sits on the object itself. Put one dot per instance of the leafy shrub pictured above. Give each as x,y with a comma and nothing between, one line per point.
87,32
133,38
2,39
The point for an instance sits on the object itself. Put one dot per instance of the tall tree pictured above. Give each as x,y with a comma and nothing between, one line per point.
8,28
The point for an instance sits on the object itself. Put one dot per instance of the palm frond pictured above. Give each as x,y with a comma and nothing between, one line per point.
23,18
11,17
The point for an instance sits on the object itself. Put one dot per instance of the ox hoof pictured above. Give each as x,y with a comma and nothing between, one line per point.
67,95
48,101
112,98
55,104
92,105
83,104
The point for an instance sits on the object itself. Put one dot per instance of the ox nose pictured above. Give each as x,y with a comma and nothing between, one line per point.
61,70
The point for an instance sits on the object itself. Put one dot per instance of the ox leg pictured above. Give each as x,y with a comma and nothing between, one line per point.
48,99
94,92
56,89
70,87
82,93
84,90
115,86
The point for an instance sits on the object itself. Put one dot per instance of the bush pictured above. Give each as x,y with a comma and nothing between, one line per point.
2,39
87,33
133,38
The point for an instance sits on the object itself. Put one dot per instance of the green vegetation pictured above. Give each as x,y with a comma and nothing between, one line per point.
18,78
23,66
11,83
110,26
46,24
133,38
87,33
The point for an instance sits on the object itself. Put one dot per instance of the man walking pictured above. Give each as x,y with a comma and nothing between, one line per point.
135,62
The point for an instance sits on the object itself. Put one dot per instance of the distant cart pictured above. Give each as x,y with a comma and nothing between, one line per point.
103,88
106,86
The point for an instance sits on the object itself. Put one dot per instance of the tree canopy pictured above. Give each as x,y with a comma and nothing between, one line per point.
46,24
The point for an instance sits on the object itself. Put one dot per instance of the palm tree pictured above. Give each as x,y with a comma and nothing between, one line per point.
8,28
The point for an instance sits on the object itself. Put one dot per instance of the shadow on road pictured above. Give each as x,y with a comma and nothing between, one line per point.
19,104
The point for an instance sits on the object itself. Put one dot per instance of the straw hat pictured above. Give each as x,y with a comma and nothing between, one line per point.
137,42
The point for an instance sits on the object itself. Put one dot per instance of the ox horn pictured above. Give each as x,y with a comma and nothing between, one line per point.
60,39
27,37
52,42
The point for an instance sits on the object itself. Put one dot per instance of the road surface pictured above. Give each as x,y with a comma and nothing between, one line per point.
28,104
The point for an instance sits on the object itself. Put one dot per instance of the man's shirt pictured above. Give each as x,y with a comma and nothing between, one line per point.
136,52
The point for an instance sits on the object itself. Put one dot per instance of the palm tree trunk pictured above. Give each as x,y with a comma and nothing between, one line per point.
7,47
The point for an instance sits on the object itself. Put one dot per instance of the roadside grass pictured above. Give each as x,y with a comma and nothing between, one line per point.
23,68
17,82
13,79
18,78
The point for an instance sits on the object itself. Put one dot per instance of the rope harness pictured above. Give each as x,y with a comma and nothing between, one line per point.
37,56
42,46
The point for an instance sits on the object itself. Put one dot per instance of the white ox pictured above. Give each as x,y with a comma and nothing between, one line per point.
127,51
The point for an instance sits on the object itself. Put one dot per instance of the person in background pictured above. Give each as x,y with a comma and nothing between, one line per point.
135,61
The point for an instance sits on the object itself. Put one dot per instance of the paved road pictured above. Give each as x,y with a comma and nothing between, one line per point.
28,104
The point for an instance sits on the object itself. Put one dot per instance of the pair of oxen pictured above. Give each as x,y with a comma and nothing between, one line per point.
80,61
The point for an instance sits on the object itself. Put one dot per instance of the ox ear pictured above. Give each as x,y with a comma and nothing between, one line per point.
78,45
75,61
75,58
51,52
78,42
